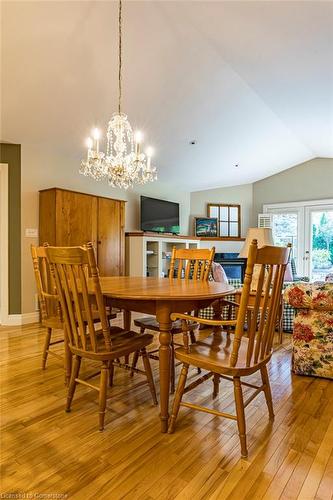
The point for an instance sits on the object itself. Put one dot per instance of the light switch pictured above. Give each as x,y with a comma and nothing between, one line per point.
31,233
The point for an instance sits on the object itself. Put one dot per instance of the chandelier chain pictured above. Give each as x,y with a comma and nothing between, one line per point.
123,164
120,55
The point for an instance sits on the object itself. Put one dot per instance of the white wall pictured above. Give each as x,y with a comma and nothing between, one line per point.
44,168
223,246
242,195
312,180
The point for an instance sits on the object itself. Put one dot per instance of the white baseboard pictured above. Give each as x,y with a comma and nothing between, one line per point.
11,320
20,319
32,317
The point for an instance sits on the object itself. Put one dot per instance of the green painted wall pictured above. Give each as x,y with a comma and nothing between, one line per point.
11,154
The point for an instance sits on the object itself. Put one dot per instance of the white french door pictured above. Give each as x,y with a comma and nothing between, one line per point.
308,226
288,227
318,261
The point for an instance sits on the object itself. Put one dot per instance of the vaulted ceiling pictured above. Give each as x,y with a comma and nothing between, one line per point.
250,82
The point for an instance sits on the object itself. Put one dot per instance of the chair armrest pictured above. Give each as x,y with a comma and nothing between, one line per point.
212,322
50,296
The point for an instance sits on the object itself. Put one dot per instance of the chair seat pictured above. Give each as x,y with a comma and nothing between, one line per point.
150,323
123,343
214,353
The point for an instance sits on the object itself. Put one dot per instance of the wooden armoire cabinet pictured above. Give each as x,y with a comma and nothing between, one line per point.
69,218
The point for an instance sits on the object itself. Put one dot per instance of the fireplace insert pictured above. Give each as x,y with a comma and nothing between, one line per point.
233,265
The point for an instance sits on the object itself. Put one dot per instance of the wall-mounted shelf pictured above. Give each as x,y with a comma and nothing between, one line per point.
181,237
225,238
161,236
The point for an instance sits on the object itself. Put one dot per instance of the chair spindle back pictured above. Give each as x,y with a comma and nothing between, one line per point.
46,287
192,263
80,295
272,262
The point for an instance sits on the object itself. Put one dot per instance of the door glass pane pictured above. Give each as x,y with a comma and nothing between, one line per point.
285,231
234,229
321,244
213,212
234,214
224,229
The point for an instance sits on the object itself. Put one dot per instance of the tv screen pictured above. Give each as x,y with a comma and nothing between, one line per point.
159,215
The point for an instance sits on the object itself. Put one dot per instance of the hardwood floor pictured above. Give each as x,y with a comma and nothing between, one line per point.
45,450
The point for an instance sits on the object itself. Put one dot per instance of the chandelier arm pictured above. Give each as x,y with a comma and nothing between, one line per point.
120,55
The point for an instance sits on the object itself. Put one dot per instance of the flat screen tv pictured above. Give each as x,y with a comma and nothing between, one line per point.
159,216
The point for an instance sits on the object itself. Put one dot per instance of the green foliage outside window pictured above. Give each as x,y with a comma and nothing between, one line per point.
321,259
322,240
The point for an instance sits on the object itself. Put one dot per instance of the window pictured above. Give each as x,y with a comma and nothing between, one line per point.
308,226
228,219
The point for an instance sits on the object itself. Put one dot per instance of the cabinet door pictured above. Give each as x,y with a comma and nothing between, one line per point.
76,218
47,210
111,237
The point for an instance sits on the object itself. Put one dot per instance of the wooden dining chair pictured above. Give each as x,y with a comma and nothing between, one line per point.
50,309
252,298
86,340
232,357
184,264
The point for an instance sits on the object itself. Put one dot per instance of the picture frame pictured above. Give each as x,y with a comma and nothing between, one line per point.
229,219
205,227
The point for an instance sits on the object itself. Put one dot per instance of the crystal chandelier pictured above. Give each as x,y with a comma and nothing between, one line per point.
123,164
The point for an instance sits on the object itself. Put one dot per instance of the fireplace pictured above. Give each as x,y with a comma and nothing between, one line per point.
233,265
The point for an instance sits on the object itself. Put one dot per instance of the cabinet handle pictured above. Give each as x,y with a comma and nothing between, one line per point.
99,242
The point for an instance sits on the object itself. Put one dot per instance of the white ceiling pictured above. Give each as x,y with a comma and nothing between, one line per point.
251,82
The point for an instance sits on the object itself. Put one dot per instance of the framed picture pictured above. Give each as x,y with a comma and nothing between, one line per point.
206,227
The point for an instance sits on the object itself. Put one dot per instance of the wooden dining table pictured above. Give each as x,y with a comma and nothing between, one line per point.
162,297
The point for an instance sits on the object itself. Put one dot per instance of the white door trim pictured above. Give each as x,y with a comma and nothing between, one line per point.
293,204
308,234
4,319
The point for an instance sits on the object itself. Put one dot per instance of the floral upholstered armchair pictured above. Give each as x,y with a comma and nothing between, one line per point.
313,328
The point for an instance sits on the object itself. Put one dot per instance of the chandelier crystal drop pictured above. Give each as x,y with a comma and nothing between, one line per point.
124,164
